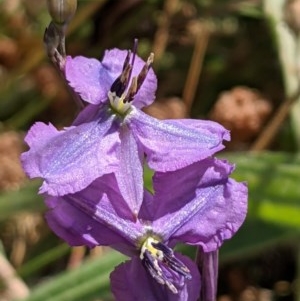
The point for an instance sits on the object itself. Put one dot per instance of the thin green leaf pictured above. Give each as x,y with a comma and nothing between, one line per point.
274,190
253,237
274,202
43,259
90,278
25,199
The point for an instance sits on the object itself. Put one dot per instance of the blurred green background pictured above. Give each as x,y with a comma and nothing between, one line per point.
235,62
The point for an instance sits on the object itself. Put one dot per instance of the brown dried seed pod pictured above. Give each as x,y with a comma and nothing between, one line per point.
168,108
243,111
9,52
11,172
62,11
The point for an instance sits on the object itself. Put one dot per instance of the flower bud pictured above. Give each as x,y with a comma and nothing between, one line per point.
62,11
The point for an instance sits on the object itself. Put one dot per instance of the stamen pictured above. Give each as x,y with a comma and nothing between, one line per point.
126,62
120,84
125,76
156,272
173,261
134,50
138,81
118,89
157,258
152,266
144,71
132,90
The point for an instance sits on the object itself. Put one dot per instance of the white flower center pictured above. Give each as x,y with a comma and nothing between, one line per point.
117,103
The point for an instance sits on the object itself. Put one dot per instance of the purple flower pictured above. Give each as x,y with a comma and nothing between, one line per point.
197,205
112,134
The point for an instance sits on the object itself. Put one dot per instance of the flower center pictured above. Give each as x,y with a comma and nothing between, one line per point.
120,96
117,104
162,264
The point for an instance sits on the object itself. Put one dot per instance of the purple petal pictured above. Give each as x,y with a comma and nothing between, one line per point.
77,228
202,125
131,282
173,145
38,135
219,220
88,114
174,190
88,78
88,218
71,159
130,172
93,79
146,212
108,185
214,215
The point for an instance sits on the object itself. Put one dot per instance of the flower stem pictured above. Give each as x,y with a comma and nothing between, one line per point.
208,267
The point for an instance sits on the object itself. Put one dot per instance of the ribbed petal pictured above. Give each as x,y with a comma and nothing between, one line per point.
88,78
173,145
207,126
93,79
131,282
214,215
77,228
147,209
88,218
69,160
89,113
130,172
174,190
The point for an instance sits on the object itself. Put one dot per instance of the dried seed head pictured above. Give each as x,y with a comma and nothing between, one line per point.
62,11
243,111
11,173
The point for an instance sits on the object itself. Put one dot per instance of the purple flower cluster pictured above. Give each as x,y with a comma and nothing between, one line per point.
93,183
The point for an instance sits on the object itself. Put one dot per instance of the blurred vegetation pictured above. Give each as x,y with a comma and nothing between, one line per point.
233,61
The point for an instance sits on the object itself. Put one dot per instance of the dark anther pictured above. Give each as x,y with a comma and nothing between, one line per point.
152,266
171,261
131,91
120,85
139,79
144,71
127,59
161,263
